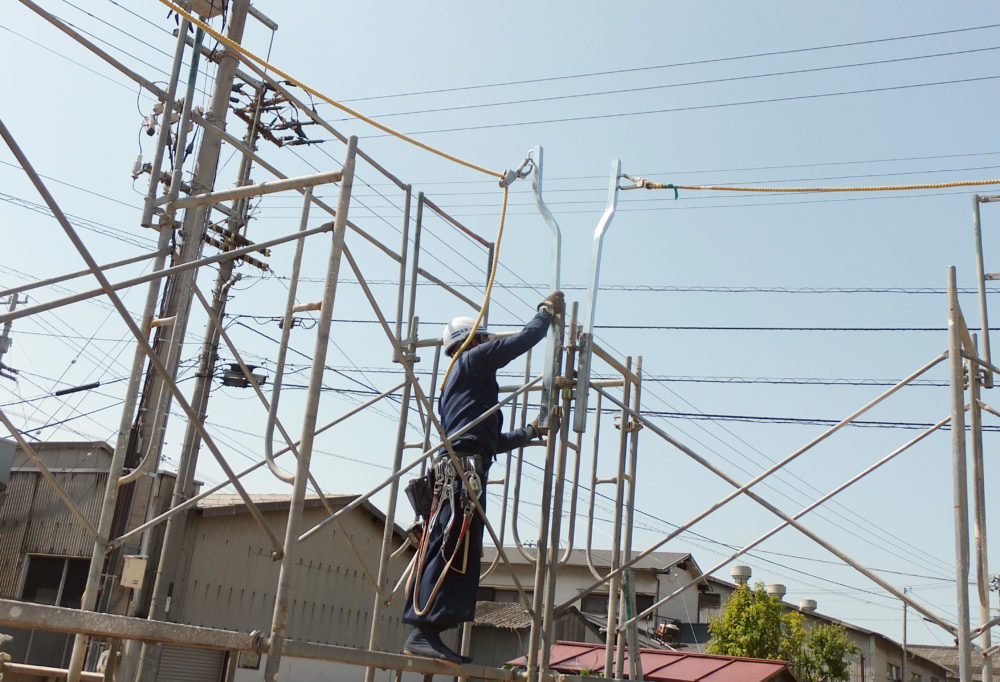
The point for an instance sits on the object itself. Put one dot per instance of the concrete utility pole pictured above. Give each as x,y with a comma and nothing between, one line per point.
5,340
151,419
179,294
153,600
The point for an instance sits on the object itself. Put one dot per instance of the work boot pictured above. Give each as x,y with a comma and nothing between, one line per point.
425,641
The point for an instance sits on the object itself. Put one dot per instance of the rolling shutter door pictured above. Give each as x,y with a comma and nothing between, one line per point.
186,664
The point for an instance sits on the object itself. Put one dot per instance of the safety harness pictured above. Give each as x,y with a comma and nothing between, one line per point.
445,480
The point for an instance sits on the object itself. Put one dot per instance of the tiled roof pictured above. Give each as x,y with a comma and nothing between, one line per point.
669,666
504,615
222,500
601,558
947,656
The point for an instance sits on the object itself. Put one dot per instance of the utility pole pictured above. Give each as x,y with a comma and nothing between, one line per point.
144,430
154,599
6,371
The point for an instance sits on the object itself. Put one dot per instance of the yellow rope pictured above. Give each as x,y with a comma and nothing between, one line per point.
246,54
489,289
870,188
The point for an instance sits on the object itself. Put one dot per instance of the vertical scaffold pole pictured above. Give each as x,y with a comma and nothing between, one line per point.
611,642
956,325
552,344
390,510
279,620
403,250
541,556
979,512
555,526
635,661
984,325
586,338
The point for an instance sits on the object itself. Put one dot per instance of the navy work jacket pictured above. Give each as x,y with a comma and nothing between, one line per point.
471,389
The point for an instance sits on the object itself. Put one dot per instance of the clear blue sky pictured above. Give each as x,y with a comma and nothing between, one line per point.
783,93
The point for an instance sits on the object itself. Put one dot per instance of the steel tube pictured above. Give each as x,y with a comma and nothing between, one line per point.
960,494
984,324
279,619
418,229
516,497
286,334
976,360
744,489
269,187
390,511
163,135
79,273
612,648
555,525
190,502
61,619
215,322
590,309
979,515
165,272
404,248
536,636
555,249
813,505
588,551
633,465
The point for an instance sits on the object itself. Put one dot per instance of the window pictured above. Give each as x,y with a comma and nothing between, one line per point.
892,671
916,677
709,600
594,603
500,594
58,581
643,602
511,595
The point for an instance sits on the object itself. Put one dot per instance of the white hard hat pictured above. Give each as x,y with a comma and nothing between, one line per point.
456,331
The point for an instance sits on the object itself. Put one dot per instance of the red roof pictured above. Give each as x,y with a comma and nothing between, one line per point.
668,666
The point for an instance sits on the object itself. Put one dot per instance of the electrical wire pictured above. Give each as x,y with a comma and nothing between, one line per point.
696,62
701,107
649,88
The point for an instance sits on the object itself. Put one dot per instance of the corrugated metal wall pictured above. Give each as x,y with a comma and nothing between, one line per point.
230,580
33,520
52,529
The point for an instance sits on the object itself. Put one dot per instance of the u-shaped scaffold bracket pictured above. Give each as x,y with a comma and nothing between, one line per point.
586,336
554,335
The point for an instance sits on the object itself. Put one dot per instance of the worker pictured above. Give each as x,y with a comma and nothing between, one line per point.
445,578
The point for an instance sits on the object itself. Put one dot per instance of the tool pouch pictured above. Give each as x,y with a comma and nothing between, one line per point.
420,493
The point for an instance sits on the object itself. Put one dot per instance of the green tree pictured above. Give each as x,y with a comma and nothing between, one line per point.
756,625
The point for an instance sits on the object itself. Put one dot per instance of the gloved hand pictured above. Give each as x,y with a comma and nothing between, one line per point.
554,304
536,430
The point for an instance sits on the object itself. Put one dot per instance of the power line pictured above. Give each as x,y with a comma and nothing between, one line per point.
815,421
734,170
85,223
702,107
89,192
648,88
696,62
62,56
680,288
651,327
